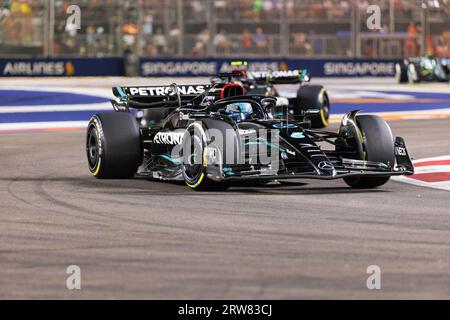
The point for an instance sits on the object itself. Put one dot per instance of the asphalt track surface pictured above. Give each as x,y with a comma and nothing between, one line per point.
147,239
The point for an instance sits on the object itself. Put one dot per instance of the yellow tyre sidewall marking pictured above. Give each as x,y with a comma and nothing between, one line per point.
361,138
200,127
99,141
97,170
324,120
322,112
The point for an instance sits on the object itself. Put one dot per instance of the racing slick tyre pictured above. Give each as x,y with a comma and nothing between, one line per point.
401,73
378,146
113,145
194,161
314,97
412,74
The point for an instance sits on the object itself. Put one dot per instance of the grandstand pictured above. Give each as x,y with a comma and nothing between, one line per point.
254,28
61,84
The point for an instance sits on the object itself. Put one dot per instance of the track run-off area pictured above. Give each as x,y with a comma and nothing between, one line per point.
141,238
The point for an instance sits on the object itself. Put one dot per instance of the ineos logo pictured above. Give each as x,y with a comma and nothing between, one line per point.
401,151
325,165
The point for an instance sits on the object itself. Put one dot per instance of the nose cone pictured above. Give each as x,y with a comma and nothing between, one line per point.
326,168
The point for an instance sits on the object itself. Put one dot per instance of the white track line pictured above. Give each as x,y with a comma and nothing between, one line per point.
441,185
403,115
90,91
42,125
55,108
432,159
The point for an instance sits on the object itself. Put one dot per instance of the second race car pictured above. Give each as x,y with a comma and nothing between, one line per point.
307,96
430,69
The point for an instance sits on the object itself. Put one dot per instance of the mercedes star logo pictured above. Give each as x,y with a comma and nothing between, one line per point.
325,165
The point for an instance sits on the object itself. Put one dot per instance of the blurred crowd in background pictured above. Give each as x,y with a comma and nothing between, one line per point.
318,28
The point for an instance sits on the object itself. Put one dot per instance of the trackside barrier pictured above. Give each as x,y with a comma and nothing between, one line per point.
187,67
168,67
61,67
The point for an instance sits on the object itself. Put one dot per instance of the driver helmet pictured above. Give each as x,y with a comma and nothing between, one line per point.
239,111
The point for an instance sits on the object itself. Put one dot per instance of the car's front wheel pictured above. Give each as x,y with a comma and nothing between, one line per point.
378,146
194,164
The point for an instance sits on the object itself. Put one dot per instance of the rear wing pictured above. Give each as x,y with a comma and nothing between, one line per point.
445,61
412,60
145,97
229,76
282,77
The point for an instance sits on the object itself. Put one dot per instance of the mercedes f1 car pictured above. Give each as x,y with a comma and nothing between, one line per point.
264,83
307,96
415,70
214,135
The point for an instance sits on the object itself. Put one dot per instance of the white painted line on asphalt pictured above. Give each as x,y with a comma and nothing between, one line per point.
42,125
56,108
443,185
431,173
91,91
403,115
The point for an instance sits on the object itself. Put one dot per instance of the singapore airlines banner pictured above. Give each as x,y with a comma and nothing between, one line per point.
178,67
318,67
61,67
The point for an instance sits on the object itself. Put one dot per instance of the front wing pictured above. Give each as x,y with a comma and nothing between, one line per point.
342,168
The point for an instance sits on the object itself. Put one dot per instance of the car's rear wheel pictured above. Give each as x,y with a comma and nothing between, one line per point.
113,145
321,121
412,74
194,161
315,97
378,145
401,73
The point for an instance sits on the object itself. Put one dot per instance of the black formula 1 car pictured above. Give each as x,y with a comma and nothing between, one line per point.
307,96
214,135
415,70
